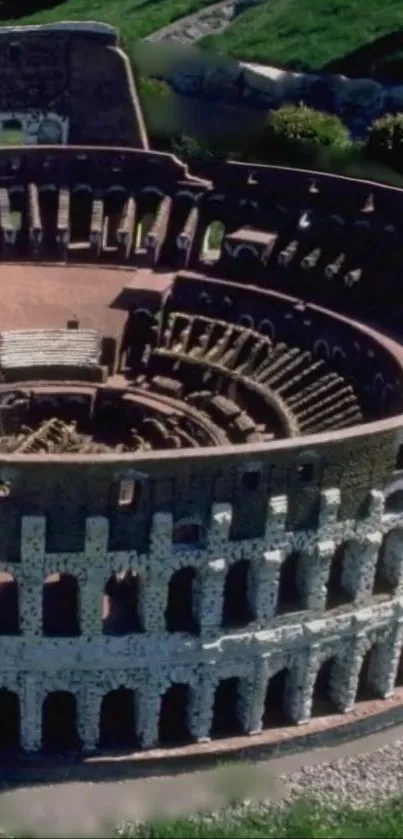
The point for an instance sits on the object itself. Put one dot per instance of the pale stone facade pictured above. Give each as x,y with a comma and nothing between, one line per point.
150,661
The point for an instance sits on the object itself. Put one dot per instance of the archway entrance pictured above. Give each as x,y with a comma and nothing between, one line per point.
226,720
59,722
117,728
9,720
173,722
275,714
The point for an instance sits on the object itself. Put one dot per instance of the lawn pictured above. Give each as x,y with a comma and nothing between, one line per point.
301,821
307,33
134,18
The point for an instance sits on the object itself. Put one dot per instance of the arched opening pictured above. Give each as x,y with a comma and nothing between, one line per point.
399,671
121,605
394,502
80,216
290,595
49,132
49,203
117,728
9,607
275,713
365,688
61,606
322,703
9,720
338,593
236,605
59,722
213,242
387,571
179,615
226,720
12,133
173,722
187,533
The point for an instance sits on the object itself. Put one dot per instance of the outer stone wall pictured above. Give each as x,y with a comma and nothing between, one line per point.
148,662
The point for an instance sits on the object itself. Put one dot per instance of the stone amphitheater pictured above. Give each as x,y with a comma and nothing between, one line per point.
201,426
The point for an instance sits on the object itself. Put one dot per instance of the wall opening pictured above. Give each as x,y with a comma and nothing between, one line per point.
213,242
9,720
236,606
179,615
9,607
399,672
117,728
60,606
337,593
399,459
187,534
173,722
80,216
384,582
121,605
290,596
365,689
59,722
394,502
226,720
12,133
322,703
275,713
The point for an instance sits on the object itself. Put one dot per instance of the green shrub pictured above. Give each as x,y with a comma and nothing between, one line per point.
155,88
190,149
385,141
300,124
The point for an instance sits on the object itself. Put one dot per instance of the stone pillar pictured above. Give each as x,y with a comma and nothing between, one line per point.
385,661
218,534
201,713
152,604
89,710
346,673
266,575
31,715
91,593
361,568
148,726
210,596
256,707
33,543
276,521
299,691
330,500
317,575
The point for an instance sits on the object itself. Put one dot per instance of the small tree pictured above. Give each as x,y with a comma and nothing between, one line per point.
385,141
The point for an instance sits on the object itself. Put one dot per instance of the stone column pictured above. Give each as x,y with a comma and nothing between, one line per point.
31,715
266,575
31,577
210,596
276,521
148,725
91,593
385,661
346,673
201,713
256,707
360,567
301,685
317,567
152,603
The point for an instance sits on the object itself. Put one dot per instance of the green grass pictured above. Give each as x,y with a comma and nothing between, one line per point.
134,18
307,33
302,821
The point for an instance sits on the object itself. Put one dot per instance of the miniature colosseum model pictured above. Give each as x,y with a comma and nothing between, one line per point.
201,437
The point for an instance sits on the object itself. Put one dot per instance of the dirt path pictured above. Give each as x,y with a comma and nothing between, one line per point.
86,809
212,19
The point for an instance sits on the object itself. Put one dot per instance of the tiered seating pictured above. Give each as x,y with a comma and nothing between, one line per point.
45,352
305,390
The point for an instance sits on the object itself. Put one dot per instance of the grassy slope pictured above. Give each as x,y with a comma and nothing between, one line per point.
301,822
309,32
134,18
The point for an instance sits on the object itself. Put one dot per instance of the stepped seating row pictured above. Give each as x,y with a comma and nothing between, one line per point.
28,351
312,397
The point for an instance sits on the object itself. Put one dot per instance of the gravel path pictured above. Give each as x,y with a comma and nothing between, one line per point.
214,18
